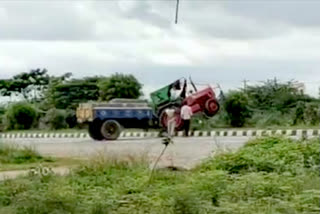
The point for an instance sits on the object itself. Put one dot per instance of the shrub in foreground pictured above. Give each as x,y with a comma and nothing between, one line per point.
270,154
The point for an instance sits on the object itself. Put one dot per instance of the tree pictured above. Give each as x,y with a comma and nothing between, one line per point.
275,96
236,106
119,86
67,94
29,85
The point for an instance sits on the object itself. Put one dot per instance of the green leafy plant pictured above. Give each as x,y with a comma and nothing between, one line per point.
20,116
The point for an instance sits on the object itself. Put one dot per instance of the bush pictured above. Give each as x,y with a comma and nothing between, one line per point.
2,113
71,118
55,119
271,154
267,119
20,116
299,113
311,114
236,106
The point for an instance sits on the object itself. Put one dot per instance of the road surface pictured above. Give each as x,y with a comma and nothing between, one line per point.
186,152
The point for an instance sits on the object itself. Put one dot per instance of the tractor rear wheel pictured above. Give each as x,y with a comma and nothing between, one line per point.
110,130
163,120
211,108
94,130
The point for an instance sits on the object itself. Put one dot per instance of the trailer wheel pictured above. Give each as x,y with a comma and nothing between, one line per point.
110,130
211,108
94,130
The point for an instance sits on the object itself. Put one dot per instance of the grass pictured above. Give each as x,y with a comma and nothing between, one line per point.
13,154
268,175
13,157
46,162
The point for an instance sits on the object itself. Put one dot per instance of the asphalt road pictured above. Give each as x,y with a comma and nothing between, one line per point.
185,152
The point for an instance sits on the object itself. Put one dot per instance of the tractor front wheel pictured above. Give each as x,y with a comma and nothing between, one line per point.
211,108
94,130
110,130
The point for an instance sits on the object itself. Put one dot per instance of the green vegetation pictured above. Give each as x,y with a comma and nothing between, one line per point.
311,114
44,162
55,99
12,154
13,157
20,116
119,86
55,119
236,107
49,102
268,175
67,94
270,104
29,85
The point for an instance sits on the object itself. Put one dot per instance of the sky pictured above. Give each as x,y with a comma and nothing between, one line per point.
215,41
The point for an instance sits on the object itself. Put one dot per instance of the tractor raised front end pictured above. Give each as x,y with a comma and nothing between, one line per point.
203,101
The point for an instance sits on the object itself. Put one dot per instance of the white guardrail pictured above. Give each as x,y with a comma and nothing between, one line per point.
220,133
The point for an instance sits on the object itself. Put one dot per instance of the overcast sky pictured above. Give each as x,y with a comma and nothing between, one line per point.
215,41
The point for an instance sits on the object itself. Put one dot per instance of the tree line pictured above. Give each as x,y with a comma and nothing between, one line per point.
52,100
46,101
268,104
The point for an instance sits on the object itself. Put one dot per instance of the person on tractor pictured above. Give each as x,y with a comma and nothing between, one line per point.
176,91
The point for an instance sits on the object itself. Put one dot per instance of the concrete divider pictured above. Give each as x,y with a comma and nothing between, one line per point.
218,133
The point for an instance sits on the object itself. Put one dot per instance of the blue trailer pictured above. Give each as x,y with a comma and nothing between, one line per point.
107,120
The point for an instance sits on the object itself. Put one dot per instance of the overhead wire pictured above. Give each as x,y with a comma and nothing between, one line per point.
177,12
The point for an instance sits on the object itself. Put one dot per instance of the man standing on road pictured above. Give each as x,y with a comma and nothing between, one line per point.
186,113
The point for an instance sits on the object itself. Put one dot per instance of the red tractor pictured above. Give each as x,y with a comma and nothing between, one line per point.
203,101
